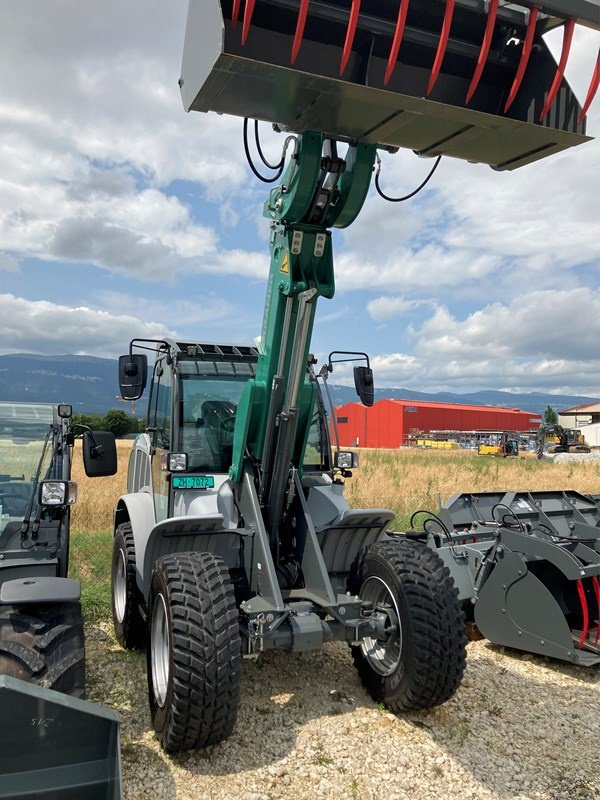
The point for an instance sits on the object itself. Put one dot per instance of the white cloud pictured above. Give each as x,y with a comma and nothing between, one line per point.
49,328
385,308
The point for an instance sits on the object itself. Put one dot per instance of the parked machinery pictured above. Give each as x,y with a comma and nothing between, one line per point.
505,446
52,743
527,565
556,439
228,543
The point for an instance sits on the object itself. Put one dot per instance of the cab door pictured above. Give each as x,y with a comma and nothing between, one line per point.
160,421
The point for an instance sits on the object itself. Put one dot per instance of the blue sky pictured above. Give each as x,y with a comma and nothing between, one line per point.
121,215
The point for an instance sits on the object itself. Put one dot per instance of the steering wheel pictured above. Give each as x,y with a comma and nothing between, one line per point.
21,503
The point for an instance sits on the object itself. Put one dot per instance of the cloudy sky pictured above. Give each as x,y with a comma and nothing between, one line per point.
120,215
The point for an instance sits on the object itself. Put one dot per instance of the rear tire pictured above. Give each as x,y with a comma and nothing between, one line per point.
194,653
129,626
44,645
423,665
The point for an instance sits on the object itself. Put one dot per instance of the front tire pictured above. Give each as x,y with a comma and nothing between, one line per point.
422,664
44,645
194,653
126,597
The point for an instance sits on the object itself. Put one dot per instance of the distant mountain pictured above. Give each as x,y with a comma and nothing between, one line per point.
535,402
90,385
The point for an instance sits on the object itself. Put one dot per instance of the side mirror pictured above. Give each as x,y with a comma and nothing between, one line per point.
99,454
365,387
345,459
133,372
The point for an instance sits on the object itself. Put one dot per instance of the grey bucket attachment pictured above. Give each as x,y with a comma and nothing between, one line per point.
535,562
472,79
54,747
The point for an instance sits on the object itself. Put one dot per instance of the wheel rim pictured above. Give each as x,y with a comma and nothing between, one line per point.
120,586
383,657
159,650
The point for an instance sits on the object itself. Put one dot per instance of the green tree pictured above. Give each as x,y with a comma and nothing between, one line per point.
117,422
93,421
550,416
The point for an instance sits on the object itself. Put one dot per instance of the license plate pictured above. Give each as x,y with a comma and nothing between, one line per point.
193,482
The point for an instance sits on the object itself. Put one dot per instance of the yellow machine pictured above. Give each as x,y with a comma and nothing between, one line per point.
506,446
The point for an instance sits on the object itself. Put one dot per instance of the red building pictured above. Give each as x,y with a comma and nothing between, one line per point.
390,423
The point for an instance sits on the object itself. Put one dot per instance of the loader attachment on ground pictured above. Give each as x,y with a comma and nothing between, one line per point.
530,564
473,79
55,747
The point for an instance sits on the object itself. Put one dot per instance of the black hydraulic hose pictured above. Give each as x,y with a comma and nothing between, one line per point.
260,151
431,517
251,162
25,524
381,193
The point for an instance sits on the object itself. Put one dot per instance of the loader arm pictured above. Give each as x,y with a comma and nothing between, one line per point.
320,190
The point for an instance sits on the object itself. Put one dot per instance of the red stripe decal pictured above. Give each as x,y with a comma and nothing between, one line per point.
441,51
586,613
350,34
235,14
560,72
525,55
485,49
400,25
302,14
596,584
592,90
249,11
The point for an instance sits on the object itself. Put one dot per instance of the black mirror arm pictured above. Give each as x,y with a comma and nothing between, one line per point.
96,450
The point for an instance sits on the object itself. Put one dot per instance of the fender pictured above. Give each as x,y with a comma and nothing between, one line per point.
137,509
40,590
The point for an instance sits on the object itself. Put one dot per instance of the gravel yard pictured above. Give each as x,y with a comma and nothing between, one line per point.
520,727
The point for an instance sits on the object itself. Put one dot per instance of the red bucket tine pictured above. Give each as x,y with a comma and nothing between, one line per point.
302,14
350,34
235,14
441,51
400,25
485,48
596,584
249,11
585,612
525,56
560,72
591,94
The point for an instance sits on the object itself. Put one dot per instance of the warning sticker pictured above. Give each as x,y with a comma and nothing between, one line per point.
285,264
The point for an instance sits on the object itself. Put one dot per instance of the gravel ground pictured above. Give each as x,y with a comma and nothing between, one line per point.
565,458
520,727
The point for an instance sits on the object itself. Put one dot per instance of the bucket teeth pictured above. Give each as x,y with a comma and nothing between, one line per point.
596,585
302,14
485,49
441,51
350,34
525,56
560,72
585,613
248,12
592,90
398,35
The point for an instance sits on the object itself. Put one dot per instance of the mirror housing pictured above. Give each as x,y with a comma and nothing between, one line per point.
99,454
365,386
345,459
133,374
65,411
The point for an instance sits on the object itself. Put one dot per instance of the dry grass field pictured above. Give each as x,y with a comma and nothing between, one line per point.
403,481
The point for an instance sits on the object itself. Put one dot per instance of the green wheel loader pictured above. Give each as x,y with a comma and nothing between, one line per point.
230,540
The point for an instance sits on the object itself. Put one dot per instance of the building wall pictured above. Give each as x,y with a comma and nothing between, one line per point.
389,422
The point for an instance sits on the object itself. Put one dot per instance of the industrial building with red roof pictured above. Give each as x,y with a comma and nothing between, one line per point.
391,423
